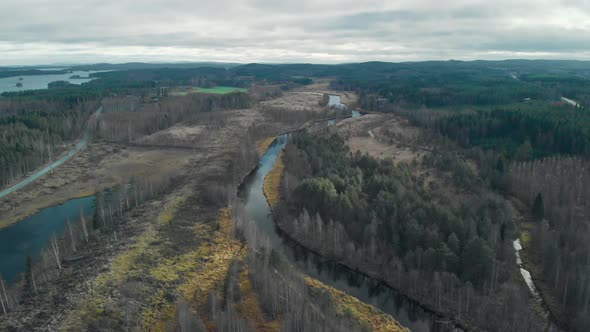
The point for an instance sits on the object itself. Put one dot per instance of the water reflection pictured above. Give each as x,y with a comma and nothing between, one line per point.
37,82
31,235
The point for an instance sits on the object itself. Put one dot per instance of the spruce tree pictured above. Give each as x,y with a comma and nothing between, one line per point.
538,208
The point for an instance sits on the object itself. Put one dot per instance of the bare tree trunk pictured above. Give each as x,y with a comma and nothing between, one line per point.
5,295
84,229
55,250
50,161
34,283
72,236
104,222
3,307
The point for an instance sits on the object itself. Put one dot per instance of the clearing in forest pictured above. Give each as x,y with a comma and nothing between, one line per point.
217,90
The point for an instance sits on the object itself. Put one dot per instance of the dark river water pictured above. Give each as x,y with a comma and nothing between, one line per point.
31,235
405,311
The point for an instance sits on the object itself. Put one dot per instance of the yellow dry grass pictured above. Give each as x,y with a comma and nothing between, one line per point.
525,235
263,144
165,217
364,314
272,182
139,259
194,275
249,307
217,258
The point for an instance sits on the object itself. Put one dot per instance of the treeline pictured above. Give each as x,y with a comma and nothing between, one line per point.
201,76
95,89
34,132
4,72
453,83
522,131
206,77
462,92
556,189
456,257
125,120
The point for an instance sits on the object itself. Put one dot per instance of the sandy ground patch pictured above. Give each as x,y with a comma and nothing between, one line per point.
218,128
296,101
378,149
382,136
177,133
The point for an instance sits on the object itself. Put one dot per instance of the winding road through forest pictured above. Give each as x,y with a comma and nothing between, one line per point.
39,173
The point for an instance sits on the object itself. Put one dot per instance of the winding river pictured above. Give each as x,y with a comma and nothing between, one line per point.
528,279
409,313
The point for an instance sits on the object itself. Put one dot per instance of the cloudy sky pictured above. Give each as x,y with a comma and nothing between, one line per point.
317,31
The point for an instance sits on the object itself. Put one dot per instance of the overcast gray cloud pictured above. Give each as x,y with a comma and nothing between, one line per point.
330,31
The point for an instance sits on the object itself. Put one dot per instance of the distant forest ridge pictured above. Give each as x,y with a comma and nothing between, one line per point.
522,64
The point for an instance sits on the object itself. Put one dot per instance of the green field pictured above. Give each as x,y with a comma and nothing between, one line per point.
217,90
220,90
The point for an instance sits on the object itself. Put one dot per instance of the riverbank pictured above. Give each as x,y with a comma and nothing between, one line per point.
37,206
367,316
272,182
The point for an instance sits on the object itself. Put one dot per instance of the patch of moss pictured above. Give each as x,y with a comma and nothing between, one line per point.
217,257
165,217
525,238
249,307
159,314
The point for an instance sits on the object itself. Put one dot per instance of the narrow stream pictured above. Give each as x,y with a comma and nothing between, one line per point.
526,275
407,312
528,279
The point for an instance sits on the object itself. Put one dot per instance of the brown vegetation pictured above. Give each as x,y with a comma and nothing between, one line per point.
272,182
